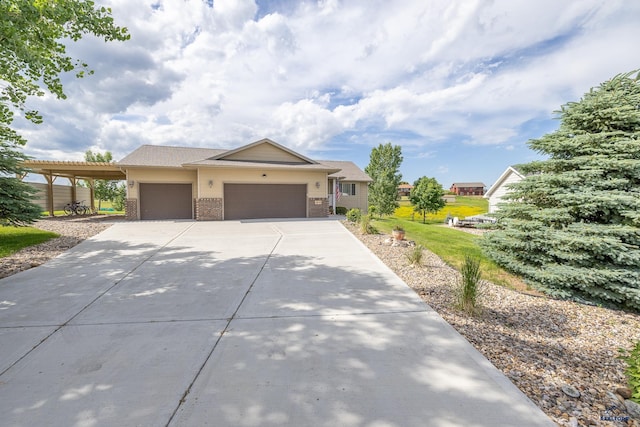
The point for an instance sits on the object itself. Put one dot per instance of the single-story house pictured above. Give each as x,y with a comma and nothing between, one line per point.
499,189
349,186
259,180
467,188
404,190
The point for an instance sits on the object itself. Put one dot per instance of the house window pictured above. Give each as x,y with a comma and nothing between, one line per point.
348,188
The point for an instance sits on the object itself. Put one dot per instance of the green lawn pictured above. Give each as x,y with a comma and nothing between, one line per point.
12,239
106,207
450,244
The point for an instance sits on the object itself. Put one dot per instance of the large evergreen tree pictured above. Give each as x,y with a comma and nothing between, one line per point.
384,170
32,58
572,227
16,206
426,196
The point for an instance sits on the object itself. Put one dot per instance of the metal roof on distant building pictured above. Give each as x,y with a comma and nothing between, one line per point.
468,184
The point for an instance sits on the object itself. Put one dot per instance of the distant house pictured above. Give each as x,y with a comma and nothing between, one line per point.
404,190
499,189
467,188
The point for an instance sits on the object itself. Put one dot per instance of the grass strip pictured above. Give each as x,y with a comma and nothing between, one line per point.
12,239
452,246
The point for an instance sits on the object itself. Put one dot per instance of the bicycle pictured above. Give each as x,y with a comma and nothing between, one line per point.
77,208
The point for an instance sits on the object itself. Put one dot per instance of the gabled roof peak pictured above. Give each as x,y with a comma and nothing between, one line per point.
235,154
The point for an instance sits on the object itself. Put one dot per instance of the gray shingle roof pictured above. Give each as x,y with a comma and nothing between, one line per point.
348,170
165,156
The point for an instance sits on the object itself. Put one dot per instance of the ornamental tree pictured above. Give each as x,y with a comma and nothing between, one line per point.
426,196
384,170
32,60
103,189
571,227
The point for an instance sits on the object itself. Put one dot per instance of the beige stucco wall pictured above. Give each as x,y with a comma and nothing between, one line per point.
157,175
264,153
220,176
358,201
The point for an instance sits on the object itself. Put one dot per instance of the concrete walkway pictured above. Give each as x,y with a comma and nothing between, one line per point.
258,323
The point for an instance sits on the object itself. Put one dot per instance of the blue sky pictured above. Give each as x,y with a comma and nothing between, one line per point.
460,85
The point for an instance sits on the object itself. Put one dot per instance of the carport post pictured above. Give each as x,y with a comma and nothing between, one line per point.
73,181
92,194
50,178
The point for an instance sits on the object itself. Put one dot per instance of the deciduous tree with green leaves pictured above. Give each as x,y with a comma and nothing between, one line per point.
426,196
32,59
384,170
102,189
572,227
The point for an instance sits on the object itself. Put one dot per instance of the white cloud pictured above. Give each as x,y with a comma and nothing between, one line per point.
308,73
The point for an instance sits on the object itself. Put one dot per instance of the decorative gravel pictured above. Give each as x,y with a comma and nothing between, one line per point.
72,230
561,354
552,350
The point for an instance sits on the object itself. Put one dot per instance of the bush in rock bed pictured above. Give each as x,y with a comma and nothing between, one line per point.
468,289
354,215
632,358
415,255
341,210
365,225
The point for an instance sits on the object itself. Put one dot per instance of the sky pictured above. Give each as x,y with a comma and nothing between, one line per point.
460,85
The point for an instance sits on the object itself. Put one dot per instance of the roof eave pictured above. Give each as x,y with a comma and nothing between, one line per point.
265,166
500,180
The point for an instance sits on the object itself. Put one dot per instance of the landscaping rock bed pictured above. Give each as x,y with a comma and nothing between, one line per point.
72,230
561,354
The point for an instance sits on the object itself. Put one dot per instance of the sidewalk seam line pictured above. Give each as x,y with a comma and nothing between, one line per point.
59,327
183,398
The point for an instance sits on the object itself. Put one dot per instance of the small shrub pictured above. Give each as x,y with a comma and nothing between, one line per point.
365,225
415,255
632,371
341,210
354,215
468,289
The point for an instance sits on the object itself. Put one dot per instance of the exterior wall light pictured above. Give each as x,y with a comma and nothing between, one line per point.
210,183
317,184
131,183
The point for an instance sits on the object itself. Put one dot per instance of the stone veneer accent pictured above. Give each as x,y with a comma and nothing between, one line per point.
209,209
318,207
131,209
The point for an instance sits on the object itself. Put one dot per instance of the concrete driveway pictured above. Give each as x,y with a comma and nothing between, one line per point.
236,324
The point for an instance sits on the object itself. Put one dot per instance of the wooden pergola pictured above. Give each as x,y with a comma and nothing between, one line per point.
73,171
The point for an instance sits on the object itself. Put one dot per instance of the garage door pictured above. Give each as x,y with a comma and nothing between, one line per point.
165,201
247,201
